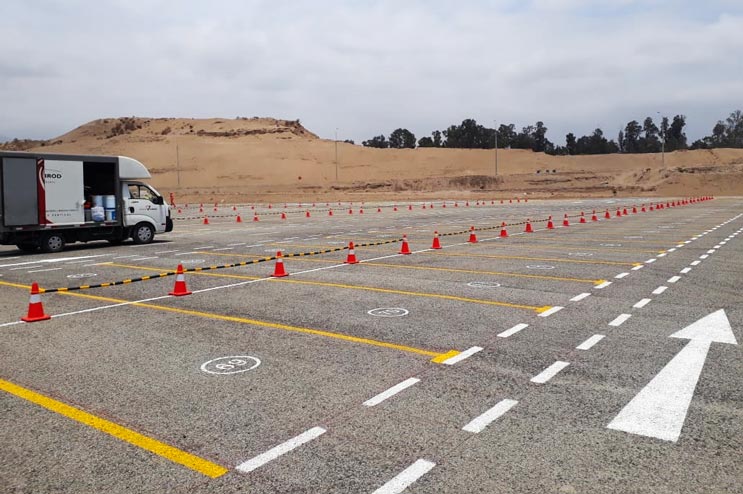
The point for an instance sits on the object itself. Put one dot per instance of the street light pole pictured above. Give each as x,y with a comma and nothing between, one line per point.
336,154
495,132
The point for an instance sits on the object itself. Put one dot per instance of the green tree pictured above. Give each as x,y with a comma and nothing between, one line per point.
425,142
402,138
571,146
632,133
650,142
506,135
675,138
379,141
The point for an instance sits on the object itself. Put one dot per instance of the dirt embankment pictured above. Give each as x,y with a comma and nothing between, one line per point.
253,159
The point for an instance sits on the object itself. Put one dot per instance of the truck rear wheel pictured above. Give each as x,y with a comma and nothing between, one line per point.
52,242
143,233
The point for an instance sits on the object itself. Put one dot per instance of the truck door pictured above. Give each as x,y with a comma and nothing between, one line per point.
142,204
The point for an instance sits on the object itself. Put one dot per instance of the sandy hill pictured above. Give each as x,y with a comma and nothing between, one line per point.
264,158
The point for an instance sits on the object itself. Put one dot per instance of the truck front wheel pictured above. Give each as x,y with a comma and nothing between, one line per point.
143,233
52,242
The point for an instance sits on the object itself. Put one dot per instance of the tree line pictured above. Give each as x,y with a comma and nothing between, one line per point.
633,138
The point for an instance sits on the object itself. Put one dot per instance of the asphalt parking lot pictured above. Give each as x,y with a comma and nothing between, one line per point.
595,357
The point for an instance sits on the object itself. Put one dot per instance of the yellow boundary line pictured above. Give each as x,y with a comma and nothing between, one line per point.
538,309
173,454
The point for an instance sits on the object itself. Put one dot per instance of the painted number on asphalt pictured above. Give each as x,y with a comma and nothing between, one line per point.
388,312
230,365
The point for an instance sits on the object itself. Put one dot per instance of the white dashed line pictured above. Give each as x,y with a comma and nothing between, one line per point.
603,285
551,311
672,249
44,270
513,330
549,372
636,268
376,400
275,452
223,248
674,279
478,424
642,303
711,251
695,263
580,297
662,255
621,275
703,256
620,319
683,271
586,345
650,261
403,480
461,356
660,290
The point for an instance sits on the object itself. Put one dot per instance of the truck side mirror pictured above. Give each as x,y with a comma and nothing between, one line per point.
158,200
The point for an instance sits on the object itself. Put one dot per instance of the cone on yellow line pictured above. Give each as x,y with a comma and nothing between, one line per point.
206,220
528,228
405,248
550,225
35,307
594,217
283,215
238,219
607,215
278,271
582,217
436,245
503,232
565,221
180,289
473,237
351,258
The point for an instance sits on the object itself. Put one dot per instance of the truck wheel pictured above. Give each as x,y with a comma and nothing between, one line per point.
143,233
52,242
28,246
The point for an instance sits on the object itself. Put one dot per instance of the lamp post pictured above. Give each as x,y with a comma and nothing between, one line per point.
495,132
336,154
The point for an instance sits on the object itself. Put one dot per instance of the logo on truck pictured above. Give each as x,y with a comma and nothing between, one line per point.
51,176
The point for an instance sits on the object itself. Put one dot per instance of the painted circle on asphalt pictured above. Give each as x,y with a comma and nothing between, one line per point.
580,254
539,266
192,261
81,275
483,284
610,245
389,312
230,365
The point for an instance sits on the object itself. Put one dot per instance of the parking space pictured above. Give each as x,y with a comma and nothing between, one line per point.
447,364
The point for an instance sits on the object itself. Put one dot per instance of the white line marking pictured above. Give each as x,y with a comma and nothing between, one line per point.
674,279
695,263
143,258
403,479
513,330
461,356
586,345
478,424
376,400
223,248
25,267
662,255
717,246
621,275
185,253
711,251
126,257
53,260
672,249
204,247
683,271
636,268
642,303
703,256
76,262
275,452
580,297
549,372
551,311
620,319
687,241
650,261
44,270
660,290
603,285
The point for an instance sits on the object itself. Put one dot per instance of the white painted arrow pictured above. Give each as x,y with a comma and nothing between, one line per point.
659,409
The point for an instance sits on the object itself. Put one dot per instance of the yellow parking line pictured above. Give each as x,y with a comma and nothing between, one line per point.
173,454
371,288
576,261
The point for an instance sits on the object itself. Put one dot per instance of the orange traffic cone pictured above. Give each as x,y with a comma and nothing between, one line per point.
330,212
234,208
424,207
394,208
201,210
634,209
351,259
624,212
643,210
379,210
565,221
528,228
593,216
467,204
503,232
410,207
179,210
473,237
582,218
180,283
35,308
361,211
619,213
456,204
283,215
307,214
607,215
436,243
550,225
405,248
238,219
279,271
350,211
255,217
206,220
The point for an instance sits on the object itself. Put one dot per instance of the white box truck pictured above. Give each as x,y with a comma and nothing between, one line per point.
49,200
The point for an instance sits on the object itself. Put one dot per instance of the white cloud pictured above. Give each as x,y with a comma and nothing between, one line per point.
370,67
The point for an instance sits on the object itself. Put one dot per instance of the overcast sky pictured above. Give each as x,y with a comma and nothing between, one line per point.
368,67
